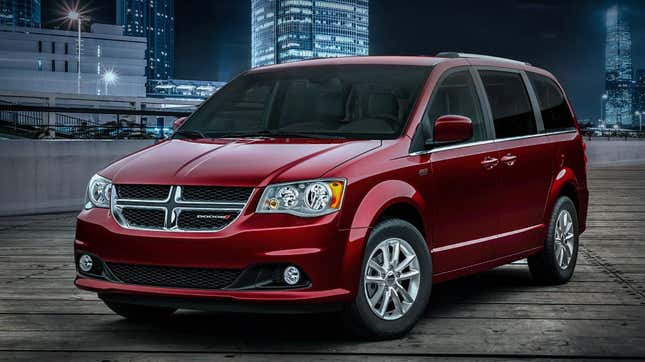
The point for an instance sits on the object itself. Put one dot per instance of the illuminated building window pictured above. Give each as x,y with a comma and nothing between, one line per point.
304,29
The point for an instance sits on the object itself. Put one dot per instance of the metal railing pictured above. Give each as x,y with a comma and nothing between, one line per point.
110,130
114,124
59,115
612,134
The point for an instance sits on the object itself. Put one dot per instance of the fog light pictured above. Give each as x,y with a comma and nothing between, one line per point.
85,263
291,275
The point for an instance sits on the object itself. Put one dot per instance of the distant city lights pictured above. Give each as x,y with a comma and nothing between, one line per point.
72,12
110,77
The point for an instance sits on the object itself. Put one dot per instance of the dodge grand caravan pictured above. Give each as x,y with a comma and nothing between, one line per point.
350,185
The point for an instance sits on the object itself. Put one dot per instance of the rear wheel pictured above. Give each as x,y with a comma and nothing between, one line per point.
139,312
556,263
395,284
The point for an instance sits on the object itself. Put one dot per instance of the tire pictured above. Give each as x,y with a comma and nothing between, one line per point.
547,267
139,312
359,316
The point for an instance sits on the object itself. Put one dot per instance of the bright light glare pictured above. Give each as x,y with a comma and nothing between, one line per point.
73,15
110,77
71,11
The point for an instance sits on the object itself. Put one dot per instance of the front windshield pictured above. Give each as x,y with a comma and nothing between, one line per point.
346,101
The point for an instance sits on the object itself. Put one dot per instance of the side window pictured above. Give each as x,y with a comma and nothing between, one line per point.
456,95
555,111
510,104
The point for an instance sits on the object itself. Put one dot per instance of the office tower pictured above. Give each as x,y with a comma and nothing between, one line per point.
618,70
290,30
25,13
154,20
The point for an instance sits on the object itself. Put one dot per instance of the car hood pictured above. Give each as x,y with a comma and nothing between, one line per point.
234,162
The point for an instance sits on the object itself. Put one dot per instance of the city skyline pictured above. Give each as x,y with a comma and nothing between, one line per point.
213,38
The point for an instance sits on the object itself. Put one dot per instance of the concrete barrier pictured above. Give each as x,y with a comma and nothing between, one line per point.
602,152
41,176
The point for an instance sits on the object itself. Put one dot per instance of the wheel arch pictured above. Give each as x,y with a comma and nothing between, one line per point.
406,212
391,198
565,184
387,199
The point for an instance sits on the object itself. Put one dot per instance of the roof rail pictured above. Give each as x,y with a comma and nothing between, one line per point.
478,56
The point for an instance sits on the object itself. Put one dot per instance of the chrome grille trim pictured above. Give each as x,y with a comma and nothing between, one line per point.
172,206
179,199
130,189
204,194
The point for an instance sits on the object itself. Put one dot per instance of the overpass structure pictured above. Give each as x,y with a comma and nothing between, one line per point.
39,114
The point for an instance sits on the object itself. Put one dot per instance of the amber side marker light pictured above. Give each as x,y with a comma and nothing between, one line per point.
336,194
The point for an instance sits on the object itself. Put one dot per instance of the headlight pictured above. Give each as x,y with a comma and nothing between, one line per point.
305,198
98,192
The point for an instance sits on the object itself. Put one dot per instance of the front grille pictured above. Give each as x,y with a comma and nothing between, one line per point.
215,194
143,192
144,218
197,220
178,208
173,277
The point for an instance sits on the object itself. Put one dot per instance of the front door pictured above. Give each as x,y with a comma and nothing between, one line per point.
465,205
464,179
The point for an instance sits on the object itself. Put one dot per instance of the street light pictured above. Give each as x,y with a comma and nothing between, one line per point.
75,15
109,77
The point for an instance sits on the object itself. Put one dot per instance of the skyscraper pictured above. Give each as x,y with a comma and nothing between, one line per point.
20,13
154,20
291,30
639,93
618,70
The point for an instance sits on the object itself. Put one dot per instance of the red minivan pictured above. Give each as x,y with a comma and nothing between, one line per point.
349,185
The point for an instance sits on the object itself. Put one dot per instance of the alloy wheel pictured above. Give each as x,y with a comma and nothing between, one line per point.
564,239
392,278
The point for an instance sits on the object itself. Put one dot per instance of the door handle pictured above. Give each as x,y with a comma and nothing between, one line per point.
489,163
509,159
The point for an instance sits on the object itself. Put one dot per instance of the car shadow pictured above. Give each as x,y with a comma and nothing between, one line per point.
301,332
491,285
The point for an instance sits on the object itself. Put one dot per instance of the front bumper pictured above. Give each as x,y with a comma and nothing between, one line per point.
287,302
316,246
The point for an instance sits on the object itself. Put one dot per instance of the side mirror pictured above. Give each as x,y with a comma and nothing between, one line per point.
177,123
451,129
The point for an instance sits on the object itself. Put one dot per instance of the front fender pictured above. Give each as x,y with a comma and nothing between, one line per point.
375,202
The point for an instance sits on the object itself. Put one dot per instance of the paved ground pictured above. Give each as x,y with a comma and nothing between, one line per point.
499,314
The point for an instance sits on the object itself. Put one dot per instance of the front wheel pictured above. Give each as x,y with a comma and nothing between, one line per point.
555,264
395,283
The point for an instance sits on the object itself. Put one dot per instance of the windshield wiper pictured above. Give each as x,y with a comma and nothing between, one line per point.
277,134
306,135
259,134
189,134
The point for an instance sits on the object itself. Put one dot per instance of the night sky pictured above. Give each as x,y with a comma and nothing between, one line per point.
213,40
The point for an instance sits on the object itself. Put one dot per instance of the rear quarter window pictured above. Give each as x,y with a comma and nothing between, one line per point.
555,111
510,104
